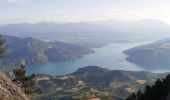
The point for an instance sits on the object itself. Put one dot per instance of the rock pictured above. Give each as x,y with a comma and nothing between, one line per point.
10,91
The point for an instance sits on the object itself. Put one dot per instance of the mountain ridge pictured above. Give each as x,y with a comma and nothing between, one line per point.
99,82
88,33
152,55
32,51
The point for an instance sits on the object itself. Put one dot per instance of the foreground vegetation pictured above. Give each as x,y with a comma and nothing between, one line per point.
21,78
159,91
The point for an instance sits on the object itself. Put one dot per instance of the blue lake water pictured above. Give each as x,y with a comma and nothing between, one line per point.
109,56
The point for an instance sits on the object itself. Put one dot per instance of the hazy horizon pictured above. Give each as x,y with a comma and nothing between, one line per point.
89,22
32,11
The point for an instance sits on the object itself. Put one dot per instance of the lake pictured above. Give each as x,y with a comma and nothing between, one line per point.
109,56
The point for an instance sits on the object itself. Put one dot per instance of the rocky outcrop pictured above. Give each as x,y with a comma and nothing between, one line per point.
10,91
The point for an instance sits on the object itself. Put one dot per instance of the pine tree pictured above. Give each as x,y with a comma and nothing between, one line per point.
132,97
139,95
26,81
2,46
158,91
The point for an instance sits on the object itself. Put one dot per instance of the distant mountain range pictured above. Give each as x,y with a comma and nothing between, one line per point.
154,55
75,33
94,82
93,34
33,51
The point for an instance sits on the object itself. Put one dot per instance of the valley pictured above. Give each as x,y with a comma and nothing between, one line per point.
58,58
109,56
85,50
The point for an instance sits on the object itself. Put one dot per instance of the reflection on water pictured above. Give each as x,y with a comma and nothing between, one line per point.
109,56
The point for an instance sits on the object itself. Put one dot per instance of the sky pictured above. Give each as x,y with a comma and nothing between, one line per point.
19,11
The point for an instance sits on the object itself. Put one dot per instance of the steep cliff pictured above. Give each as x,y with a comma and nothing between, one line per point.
10,91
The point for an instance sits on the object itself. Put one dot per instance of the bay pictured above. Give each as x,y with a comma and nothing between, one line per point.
109,56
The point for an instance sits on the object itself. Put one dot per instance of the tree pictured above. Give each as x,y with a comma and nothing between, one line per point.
2,46
139,95
158,91
26,81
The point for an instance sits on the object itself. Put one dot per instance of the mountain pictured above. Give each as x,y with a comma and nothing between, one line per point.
153,55
33,51
90,34
94,82
75,33
9,90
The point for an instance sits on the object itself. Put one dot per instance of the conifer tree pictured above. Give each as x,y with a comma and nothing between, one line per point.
26,81
158,91
2,46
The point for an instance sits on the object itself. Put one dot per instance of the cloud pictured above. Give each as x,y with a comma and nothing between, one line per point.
19,1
